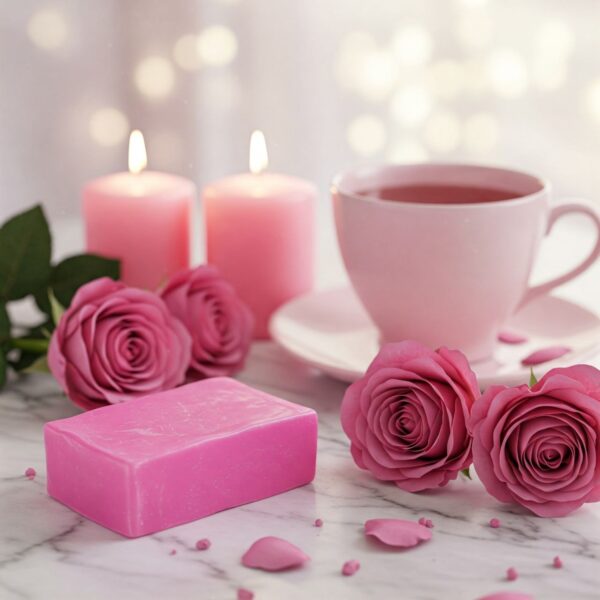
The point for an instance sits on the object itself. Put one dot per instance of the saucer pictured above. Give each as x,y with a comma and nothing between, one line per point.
331,331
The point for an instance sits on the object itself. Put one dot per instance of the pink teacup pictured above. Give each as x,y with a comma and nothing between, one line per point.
446,259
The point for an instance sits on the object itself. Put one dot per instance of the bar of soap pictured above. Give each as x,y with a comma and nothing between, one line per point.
176,456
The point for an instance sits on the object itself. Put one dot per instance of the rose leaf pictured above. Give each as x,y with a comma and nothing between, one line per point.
532,378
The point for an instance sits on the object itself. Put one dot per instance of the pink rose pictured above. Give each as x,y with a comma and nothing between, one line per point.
114,343
218,321
539,446
407,416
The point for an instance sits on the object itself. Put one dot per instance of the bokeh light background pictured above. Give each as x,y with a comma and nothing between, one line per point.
332,83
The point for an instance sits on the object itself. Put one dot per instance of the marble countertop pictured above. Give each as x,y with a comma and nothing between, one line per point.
48,552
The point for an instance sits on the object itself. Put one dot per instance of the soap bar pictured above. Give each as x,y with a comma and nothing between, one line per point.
175,456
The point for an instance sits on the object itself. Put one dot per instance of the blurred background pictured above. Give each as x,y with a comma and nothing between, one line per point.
332,84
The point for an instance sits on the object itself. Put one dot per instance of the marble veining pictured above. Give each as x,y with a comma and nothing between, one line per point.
48,552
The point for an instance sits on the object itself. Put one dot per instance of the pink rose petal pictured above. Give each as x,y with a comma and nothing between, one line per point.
429,523
244,594
173,552
495,523
273,554
510,337
506,596
397,532
544,355
557,563
423,521
30,473
203,544
511,574
350,567
318,522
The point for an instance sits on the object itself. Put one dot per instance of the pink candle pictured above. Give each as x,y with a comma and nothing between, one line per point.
260,234
142,218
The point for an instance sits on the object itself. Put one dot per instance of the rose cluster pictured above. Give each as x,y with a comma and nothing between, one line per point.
417,418
115,343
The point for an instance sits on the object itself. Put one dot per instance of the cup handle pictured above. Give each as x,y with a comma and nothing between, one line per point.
584,207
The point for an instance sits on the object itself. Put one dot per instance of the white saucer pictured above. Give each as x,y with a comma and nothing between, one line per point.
331,331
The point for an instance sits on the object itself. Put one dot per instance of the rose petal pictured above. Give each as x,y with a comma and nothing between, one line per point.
350,567
30,472
544,355
494,523
510,337
506,596
273,554
244,594
397,532
318,522
203,544
511,574
557,562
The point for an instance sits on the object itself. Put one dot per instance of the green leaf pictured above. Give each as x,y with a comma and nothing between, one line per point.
532,378
25,249
4,324
466,472
56,309
40,365
70,274
24,360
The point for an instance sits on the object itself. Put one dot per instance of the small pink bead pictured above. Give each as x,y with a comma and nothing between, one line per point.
244,594
423,521
429,523
350,567
495,523
511,574
203,544
557,563
318,522
30,473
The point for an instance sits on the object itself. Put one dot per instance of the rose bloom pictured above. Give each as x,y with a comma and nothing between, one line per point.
219,322
115,343
407,416
539,446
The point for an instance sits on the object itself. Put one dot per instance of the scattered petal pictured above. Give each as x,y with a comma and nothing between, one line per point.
506,596
397,532
495,523
429,523
511,574
350,567
203,544
545,355
244,594
510,337
173,552
30,473
557,563
318,522
423,521
273,554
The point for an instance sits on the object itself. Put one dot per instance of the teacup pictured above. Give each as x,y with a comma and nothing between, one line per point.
442,253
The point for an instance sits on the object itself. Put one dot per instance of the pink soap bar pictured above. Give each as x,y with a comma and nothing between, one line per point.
175,456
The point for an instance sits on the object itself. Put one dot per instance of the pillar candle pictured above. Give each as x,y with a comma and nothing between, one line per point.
142,218
260,235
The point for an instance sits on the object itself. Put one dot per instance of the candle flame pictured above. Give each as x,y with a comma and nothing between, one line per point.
137,152
259,158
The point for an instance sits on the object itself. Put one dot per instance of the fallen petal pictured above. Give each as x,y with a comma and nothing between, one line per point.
557,563
244,594
506,596
423,521
429,523
511,574
273,554
495,523
397,532
318,522
350,567
173,552
544,355
203,544
510,337
30,473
